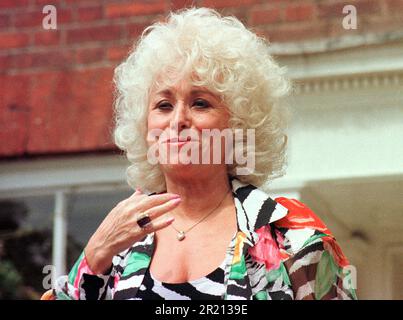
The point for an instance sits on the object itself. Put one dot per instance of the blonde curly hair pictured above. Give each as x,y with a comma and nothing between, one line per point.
225,57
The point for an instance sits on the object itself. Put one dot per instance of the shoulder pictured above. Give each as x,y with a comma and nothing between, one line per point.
301,232
316,264
300,249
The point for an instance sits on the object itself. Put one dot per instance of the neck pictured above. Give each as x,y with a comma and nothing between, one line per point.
199,195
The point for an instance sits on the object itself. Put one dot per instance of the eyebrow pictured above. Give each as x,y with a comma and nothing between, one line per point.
168,92
165,92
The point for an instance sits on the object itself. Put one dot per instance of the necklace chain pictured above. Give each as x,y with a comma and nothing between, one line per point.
181,233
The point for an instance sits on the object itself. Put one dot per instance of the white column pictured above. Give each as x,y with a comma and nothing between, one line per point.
59,234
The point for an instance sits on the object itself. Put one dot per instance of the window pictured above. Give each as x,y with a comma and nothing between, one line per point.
25,245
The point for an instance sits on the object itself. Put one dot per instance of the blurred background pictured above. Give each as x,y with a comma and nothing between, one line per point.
60,173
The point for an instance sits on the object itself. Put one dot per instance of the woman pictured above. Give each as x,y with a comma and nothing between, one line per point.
204,229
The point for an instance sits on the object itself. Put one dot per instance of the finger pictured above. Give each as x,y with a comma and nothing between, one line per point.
138,194
156,211
157,224
154,200
163,208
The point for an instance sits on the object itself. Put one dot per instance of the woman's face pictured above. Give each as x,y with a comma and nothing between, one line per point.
183,112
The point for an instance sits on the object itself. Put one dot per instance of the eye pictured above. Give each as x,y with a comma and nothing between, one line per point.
201,104
164,105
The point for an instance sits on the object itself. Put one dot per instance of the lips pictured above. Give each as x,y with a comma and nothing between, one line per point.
178,140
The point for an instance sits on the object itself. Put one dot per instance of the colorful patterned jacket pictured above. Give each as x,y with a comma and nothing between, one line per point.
282,250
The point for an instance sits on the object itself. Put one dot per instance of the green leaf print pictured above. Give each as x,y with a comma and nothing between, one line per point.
238,270
273,275
313,238
284,273
326,275
261,295
73,272
63,296
281,271
136,262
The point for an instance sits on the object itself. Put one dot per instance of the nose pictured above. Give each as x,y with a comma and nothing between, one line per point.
180,118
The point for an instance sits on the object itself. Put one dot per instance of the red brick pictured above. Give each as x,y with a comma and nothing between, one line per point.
239,12
64,59
368,7
285,33
299,12
180,4
90,13
118,53
75,111
135,29
103,33
91,55
5,21
35,18
227,3
64,16
48,37
13,3
117,10
29,19
45,2
395,6
81,2
331,10
54,59
266,16
13,40
30,60
5,63
20,61
50,59
15,113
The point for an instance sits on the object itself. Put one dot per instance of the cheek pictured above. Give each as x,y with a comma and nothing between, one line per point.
155,122
152,124
211,121
157,127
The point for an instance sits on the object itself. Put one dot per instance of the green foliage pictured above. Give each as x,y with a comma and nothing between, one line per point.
10,281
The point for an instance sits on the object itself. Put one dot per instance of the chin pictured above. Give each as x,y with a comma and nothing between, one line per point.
189,171
180,168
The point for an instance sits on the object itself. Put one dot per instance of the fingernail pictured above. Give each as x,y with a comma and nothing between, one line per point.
175,196
176,201
170,220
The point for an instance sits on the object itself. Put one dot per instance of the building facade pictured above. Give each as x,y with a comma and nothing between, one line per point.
60,173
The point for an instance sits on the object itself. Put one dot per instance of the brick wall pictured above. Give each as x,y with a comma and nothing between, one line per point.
56,85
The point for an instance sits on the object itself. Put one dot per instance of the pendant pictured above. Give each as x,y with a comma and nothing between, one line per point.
180,235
